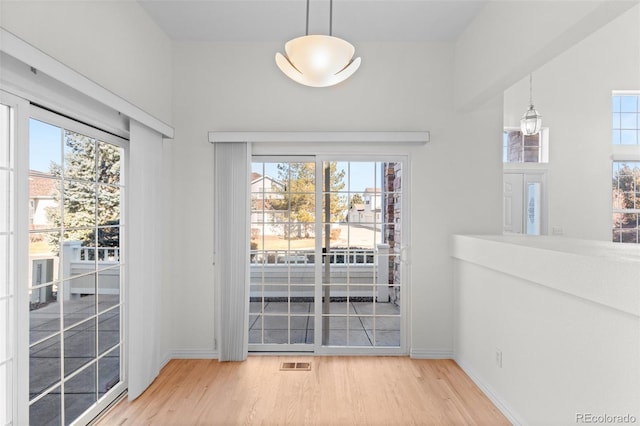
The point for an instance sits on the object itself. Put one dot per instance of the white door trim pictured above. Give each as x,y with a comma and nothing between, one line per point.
408,138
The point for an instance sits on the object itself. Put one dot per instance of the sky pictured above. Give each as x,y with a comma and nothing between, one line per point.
44,145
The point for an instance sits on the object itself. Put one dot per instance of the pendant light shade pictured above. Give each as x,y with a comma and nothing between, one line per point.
531,121
318,60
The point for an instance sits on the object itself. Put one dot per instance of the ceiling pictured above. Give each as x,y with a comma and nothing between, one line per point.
280,20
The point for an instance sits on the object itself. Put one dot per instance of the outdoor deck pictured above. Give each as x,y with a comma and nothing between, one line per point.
350,323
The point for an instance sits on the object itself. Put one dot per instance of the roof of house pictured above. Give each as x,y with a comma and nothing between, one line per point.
255,177
41,185
372,191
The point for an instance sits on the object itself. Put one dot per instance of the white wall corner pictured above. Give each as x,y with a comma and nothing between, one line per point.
497,400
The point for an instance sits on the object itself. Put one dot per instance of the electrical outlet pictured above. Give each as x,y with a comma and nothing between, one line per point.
498,358
557,230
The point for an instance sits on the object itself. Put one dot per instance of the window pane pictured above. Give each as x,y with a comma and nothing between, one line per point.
628,121
79,346
108,288
45,147
79,204
108,330
108,371
109,163
44,201
44,365
81,304
628,137
80,392
46,411
108,205
79,157
629,103
108,251
44,313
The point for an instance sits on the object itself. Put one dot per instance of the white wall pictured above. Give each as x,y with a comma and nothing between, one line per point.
509,38
114,43
565,318
404,86
573,94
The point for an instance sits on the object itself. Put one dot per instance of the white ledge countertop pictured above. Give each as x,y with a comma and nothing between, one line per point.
601,272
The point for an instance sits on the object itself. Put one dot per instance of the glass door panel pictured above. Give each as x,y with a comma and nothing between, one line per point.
361,245
282,255
75,192
325,255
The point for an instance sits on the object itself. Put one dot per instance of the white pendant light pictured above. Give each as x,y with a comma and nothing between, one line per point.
531,121
318,60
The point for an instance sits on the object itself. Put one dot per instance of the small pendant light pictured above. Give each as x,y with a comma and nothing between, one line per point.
531,121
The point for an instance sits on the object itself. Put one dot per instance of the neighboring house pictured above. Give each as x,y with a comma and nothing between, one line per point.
264,190
370,210
265,187
42,188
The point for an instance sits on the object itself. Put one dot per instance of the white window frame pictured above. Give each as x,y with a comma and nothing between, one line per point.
69,124
405,298
622,153
317,346
18,330
543,154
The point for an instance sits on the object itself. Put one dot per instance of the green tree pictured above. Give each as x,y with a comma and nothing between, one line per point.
88,191
298,192
356,199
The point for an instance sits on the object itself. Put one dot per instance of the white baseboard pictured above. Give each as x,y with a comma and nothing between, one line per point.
431,353
497,400
189,354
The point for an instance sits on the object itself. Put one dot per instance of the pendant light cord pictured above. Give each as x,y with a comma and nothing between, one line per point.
531,89
331,17
306,32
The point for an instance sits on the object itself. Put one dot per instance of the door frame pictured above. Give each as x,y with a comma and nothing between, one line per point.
317,347
534,174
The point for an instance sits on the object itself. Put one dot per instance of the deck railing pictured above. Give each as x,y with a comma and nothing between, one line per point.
338,256
101,254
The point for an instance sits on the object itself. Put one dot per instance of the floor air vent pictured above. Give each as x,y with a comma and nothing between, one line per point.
295,366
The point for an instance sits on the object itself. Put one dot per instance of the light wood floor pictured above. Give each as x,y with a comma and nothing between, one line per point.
337,391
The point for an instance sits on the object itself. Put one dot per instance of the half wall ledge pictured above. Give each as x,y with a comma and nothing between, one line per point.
601,272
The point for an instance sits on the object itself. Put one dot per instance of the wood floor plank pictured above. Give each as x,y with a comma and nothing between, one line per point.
337,391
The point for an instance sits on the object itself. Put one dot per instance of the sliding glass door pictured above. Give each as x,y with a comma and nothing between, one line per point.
326,272
283,244
76,193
